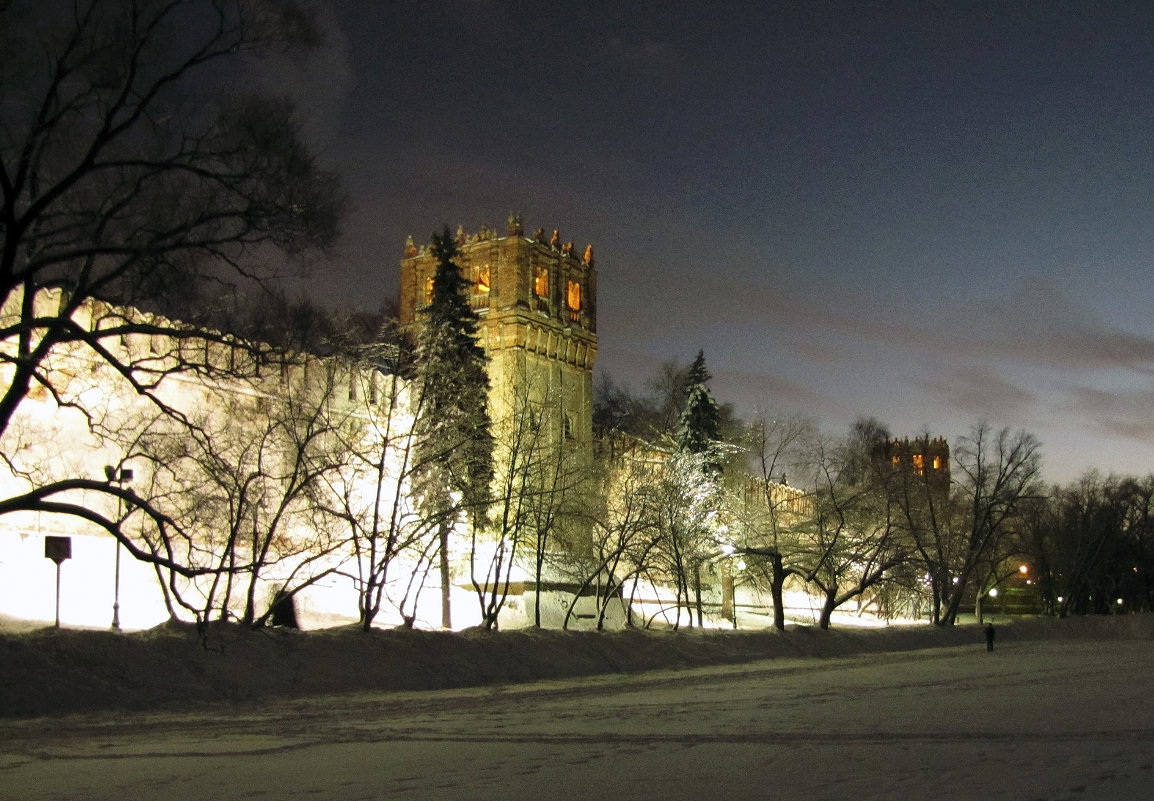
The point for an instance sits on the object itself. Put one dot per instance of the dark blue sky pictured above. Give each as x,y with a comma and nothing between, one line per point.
931,213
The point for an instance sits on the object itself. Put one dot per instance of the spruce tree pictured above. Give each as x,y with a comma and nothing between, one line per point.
699,428
454,449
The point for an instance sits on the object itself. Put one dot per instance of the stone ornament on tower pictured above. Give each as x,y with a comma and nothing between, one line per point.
589,255
515,227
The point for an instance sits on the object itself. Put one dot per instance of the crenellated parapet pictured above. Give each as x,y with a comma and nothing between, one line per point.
921,456
511,273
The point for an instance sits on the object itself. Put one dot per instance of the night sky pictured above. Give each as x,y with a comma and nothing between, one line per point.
929,213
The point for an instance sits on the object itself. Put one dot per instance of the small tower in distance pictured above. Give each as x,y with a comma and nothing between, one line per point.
923,457
537,300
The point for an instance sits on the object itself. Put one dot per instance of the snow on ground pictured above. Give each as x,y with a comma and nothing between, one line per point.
1061,711
52,671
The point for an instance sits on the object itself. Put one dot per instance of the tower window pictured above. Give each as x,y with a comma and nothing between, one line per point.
428,290
481,288
541,282
937,463
573,299
919,463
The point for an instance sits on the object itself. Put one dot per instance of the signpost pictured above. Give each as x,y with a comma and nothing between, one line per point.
58,549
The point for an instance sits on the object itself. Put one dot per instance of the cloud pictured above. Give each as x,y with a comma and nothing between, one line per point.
764,392
1041,323
1114,412
1036,325
982,392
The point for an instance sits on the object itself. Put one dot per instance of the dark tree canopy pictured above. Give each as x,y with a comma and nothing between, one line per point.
139,169
129,174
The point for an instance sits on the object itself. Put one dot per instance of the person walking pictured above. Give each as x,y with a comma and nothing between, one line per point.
990,636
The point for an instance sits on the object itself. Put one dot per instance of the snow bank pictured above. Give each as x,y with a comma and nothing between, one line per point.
49,671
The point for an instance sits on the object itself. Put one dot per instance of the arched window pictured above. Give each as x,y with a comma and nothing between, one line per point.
573,300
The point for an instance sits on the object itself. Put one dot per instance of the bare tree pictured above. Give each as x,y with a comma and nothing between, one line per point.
250,482
624,535
539,468
1000,473
852,539
765,510
130,174
684,498
1136,496
1083,544
371,495
933,517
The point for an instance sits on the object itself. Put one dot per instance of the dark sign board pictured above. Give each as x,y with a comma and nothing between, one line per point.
58,548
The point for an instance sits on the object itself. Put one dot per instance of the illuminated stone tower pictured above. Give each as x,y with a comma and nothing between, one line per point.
922,456
537,300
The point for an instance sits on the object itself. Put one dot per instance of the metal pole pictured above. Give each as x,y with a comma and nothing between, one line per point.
116,589
58,595
119,477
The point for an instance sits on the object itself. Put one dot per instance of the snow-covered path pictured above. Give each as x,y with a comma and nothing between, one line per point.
1034,720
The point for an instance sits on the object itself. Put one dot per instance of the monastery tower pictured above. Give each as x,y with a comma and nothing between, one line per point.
537,300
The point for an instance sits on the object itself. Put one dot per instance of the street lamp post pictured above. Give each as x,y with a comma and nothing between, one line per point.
119,476
733,589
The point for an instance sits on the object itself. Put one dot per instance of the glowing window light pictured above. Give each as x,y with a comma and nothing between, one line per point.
573,296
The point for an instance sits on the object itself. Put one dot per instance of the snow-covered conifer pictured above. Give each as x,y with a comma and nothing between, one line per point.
699,428
454,437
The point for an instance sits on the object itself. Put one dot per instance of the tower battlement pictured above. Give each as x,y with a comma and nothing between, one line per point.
511,274
920,456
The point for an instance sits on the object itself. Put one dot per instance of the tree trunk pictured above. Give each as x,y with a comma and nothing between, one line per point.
697,591
777,591
727,608
828,605
540,569
446,610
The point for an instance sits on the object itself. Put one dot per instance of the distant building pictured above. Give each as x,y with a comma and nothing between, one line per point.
921,456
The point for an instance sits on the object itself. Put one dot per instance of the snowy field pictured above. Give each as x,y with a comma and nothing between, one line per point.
1053,720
